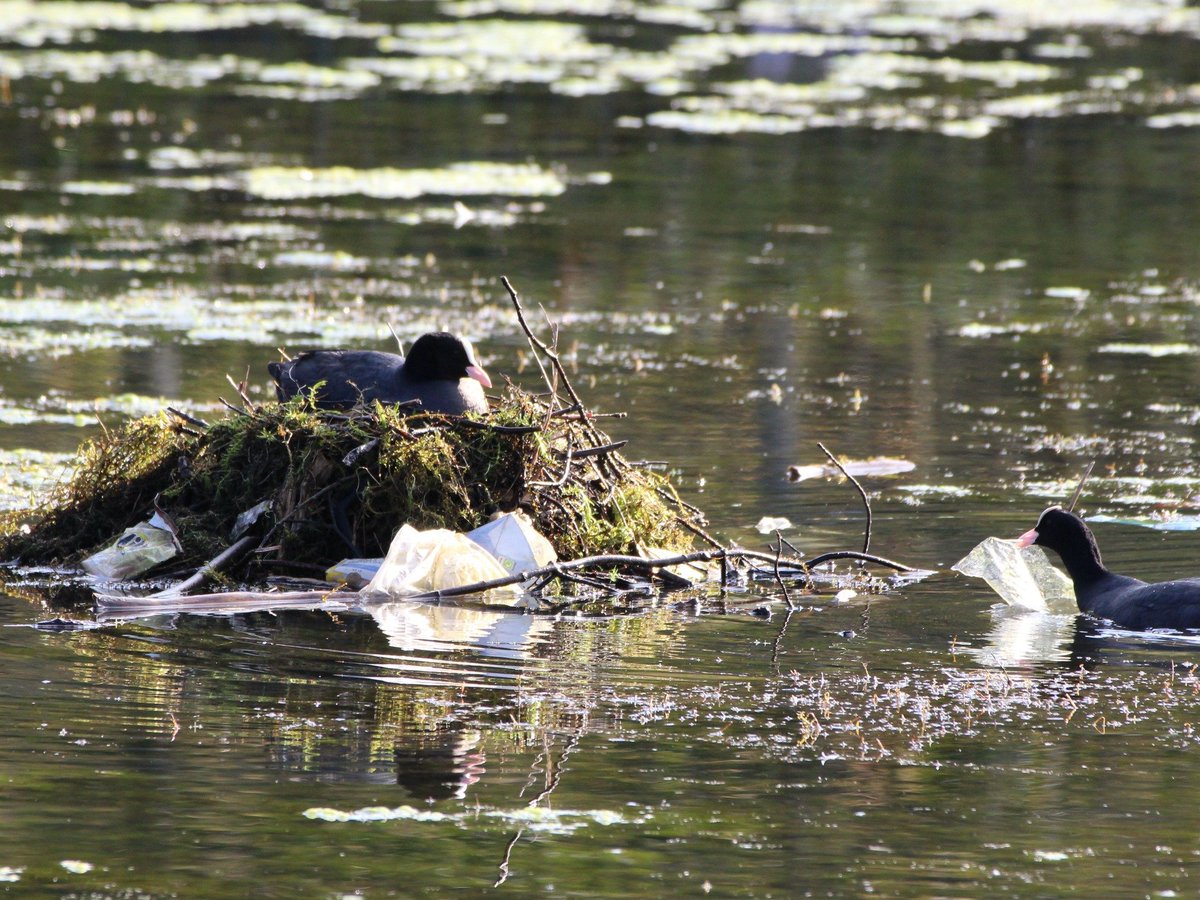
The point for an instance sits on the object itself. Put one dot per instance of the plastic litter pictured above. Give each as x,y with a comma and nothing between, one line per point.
1023,577
512,539
135,550
436,560
353,572
243,522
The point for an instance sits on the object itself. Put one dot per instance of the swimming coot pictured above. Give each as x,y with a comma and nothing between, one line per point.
440,371
1126,602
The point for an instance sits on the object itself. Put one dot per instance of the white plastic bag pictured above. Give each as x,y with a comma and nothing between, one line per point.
134,551
435,560
1022,577
512,539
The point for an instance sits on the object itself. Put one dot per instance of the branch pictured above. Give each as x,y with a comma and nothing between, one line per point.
867,503
226,557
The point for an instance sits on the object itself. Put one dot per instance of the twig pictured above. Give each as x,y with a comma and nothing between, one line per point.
861,557
229,406
191,420
1079,487
700,532
241,390
539,345
787,597
672,497
566,468
499,429
230,554
598,451
867,503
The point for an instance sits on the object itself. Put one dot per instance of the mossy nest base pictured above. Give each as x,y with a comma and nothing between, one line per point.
341,484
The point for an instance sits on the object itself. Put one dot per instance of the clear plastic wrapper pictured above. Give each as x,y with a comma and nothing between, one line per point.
436,560
1023,577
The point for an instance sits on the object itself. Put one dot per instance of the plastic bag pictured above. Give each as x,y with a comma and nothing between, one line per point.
1022,577
353,572
435,560
134,551
512,539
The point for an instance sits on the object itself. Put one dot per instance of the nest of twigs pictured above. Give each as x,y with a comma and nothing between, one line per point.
341,484
324,485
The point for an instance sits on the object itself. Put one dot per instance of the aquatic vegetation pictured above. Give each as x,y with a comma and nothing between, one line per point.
346,481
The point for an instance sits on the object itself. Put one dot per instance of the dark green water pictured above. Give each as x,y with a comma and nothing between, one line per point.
989,271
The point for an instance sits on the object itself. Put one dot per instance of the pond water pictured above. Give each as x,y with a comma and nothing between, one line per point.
962,235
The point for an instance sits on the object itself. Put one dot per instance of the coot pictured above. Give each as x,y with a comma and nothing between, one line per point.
1125,601
440,371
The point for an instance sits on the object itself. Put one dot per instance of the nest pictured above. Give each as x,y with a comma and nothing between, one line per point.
332,485
315,486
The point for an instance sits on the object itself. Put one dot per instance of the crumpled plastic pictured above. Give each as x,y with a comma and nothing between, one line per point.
1022,576
135,550
513,540
436,560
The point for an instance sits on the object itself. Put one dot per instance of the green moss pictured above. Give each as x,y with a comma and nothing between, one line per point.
333,480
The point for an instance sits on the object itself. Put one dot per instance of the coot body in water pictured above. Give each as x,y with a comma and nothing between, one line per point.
440,371
1124,601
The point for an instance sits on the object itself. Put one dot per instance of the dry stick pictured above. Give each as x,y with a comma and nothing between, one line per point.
499,429
566,468
241,391
867,503
345,479
599,451
226,557
229,406
539,345
191,420
1079,487
671,497
700,532
854,554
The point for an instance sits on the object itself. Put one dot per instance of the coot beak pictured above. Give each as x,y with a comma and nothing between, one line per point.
1028,539
479,375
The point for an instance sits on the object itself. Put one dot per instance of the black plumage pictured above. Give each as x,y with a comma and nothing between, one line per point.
440,371
1124,601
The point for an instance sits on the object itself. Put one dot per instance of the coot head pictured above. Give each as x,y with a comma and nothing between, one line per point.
440,355
1059,530
1068,536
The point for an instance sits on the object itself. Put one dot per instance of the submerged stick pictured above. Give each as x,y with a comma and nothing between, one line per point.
854,481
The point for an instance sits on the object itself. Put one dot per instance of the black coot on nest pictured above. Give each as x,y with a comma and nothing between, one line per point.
1124,601
440,371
